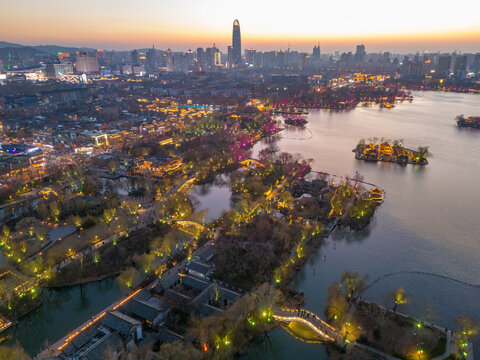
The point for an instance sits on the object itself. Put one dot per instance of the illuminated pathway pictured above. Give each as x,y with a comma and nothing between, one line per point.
212,107
324,330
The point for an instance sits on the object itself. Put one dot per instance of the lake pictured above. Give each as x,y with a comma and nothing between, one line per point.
428,222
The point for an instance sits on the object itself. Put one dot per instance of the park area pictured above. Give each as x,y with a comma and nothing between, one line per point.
396,334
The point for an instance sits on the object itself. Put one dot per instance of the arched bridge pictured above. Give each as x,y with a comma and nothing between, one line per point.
250,164
188,183
321,328
190,227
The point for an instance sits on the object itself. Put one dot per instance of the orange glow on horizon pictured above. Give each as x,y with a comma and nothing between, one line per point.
181,41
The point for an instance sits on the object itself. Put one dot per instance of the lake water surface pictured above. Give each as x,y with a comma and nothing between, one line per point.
429,221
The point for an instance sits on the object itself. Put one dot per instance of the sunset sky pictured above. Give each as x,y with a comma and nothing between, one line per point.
407,25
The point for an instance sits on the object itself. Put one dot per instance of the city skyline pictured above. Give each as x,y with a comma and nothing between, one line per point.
414,26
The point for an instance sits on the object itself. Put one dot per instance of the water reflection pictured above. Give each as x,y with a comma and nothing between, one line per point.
62,311
428,222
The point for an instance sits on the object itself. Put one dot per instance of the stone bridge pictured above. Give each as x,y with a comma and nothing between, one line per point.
321,328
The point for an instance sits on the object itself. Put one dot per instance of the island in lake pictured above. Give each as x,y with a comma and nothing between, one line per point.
469,122
295,120
390,152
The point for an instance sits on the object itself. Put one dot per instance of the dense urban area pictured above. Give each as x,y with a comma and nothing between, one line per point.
100,151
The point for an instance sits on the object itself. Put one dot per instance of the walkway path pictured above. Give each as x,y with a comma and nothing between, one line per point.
449,347
375,351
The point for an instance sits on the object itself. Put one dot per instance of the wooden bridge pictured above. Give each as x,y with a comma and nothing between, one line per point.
321,328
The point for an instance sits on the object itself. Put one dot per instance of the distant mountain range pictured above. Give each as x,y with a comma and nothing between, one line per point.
5,47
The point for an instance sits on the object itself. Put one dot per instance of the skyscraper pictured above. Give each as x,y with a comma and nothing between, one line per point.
443,65
170,61
200,58
476,63
151,60
360,54
236,44
134,57
316,52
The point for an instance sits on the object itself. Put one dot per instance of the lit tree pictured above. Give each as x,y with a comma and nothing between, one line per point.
40,233
131,206
128,278
113,165
285,199
5,236
399,297
144,262
267,298
109,215
467,331
77,221
55,210
423,152
337,309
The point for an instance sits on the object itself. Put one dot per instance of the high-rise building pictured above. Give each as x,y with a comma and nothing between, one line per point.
360,54
346,58
461,66
151,60
170,61
315,59
218,58
229,56
316,53
134,57
250,57
236,44
209,57
461,63
200,57
86,64
476,63
443,65
386,57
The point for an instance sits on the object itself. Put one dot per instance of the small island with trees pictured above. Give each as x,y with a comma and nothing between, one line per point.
469,122
295,120
390,151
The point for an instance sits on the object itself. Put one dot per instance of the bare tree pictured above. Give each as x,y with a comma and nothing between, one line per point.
353,284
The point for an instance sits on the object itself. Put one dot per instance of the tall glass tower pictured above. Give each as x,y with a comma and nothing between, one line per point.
236,44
